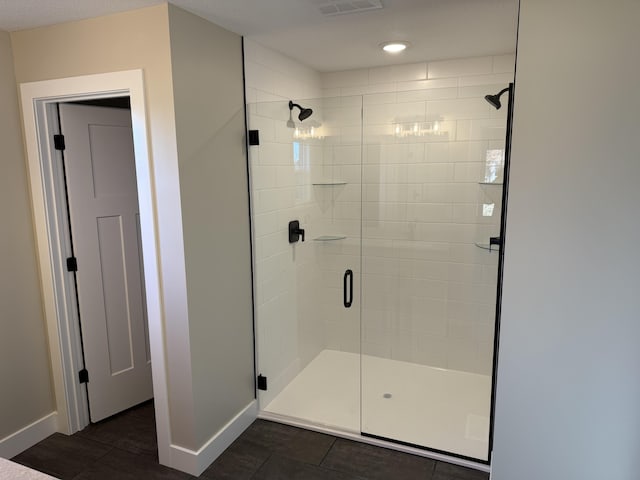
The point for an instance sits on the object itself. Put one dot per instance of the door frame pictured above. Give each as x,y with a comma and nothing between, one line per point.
38,100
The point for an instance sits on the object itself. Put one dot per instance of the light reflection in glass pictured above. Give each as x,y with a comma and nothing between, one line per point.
417,129
487,209
493,165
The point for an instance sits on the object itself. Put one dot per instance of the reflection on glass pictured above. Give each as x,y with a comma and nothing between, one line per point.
308,132
493,165
487,209
417,129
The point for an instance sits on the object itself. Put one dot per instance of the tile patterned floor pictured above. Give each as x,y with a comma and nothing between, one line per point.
123,447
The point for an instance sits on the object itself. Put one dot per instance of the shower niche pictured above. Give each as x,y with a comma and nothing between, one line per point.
381,324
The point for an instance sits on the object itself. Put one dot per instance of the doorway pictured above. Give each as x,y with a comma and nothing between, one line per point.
53,247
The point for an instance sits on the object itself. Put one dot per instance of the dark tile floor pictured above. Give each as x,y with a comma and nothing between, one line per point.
124,447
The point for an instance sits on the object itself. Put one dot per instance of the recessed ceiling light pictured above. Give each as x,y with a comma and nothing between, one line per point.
394,47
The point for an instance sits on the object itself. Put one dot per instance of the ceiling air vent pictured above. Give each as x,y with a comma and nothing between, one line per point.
342,7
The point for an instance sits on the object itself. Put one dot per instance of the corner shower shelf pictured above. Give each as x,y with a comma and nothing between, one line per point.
329,183
329,238
486,246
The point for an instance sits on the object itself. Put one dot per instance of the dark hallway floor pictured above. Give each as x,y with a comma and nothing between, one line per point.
123,447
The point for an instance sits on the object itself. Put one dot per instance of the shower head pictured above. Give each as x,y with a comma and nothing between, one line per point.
495,99
304,112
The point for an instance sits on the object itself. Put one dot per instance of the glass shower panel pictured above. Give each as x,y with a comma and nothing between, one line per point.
432,185
308,341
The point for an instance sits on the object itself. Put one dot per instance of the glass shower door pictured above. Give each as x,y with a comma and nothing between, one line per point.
432,188
307,286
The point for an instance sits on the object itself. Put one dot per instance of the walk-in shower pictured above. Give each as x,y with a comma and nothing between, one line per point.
381,323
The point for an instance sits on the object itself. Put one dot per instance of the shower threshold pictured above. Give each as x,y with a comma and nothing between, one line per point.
427,410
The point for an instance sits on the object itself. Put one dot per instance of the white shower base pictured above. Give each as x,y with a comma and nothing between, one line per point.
445,410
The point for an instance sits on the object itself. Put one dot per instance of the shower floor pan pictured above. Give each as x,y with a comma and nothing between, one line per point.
443,410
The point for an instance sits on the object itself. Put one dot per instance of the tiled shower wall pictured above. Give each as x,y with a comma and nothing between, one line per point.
428,291
430,140
289,326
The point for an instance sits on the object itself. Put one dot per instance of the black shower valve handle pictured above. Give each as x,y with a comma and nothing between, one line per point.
295,232
497,241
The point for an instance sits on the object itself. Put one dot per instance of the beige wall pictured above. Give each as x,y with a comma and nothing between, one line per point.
133,40
568,395
208,94
194,90
27,392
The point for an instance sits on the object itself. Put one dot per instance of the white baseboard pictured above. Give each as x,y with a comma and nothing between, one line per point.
27,437
196,462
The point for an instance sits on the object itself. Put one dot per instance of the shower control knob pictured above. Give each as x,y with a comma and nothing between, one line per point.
497,241
295,232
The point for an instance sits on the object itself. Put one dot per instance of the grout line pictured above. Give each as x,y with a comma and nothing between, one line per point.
433,471
328,450
333,469
261,465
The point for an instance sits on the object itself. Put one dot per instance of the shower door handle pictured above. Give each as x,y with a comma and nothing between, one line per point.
347,291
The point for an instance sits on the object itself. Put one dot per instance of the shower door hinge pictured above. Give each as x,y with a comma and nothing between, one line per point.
262,382
72,264
58,142
83,376
254,137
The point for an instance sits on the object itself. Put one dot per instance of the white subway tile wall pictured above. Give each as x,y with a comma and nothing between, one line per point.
408,147
428,291
271,76
290,327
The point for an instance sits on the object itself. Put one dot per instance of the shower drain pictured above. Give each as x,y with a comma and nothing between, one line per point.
387,395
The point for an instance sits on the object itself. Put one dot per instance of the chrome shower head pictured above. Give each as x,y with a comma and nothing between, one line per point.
494,100
304,112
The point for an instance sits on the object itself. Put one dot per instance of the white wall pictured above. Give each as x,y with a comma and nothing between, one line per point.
428,291
272,76
27,392
568,379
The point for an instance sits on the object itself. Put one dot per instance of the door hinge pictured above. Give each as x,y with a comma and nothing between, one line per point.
83,376
58,142
262,382
254,137
72,264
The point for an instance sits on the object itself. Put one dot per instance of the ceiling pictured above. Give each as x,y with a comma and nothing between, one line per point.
436,29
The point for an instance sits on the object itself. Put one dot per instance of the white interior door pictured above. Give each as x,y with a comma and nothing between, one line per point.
103,204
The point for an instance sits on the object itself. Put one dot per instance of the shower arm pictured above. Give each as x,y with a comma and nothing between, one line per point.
499,94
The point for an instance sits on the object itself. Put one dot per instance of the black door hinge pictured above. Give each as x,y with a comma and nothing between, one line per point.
262,382
83,376
58,142
72,264
254,137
